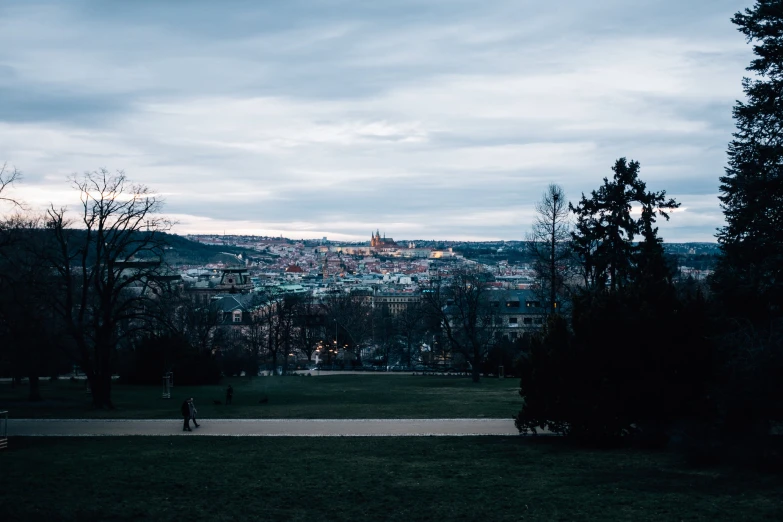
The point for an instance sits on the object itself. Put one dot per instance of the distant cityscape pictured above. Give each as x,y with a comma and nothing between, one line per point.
387,274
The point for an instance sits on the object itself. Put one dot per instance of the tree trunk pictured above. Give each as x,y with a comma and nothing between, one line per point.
100,385
35,388
553,270
254,366
476,373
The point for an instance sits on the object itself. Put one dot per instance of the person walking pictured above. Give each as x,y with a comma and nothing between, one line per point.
193,412
229,394
185,410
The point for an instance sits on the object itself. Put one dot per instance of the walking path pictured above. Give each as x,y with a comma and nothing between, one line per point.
263,427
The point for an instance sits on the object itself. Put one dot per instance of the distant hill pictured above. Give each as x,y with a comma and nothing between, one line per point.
183,251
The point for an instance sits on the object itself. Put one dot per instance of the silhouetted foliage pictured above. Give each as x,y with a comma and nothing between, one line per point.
636,359
104,295
461,308
633,364
30,333
748,279
152,357
603,239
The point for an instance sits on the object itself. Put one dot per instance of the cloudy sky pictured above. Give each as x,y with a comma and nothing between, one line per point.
426,119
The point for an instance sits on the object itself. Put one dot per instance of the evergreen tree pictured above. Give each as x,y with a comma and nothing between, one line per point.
605,229
652,271
749,277
748,280
633,359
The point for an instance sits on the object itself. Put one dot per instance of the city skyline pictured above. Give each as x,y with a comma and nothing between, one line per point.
313,119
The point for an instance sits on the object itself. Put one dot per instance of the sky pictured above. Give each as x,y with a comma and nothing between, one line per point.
423,119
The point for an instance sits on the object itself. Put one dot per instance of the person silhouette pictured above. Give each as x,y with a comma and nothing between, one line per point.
185,410
193,412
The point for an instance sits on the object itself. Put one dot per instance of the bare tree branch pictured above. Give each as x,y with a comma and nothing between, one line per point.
110,268
7,179
549,245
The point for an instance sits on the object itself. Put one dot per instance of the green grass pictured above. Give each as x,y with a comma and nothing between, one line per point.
325,397
402,478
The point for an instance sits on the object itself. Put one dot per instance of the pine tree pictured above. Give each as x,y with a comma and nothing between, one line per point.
605,229
631,358
748,280
749,277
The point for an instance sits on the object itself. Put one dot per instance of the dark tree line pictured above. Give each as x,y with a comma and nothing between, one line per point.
748,280
648,356
79,288
608,366
459,307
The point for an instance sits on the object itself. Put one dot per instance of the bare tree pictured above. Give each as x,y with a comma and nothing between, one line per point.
548,245
190,319
411,326
384,335
279,320
28,331
13,236
108,263
350,315
462,306
258,331
12,223
7,178
310,325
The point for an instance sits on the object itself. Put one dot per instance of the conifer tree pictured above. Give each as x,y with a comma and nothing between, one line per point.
749,277
604,233
748,280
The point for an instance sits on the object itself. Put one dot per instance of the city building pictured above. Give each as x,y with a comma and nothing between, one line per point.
381,242
394,302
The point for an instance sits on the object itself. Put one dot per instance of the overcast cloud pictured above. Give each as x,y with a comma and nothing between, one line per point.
427,119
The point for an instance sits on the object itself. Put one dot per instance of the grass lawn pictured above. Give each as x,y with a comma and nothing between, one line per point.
324,397
400,478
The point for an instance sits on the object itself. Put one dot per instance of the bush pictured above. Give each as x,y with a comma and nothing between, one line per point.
155,356
632,366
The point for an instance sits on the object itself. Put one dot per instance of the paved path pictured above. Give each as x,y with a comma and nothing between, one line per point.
264,427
